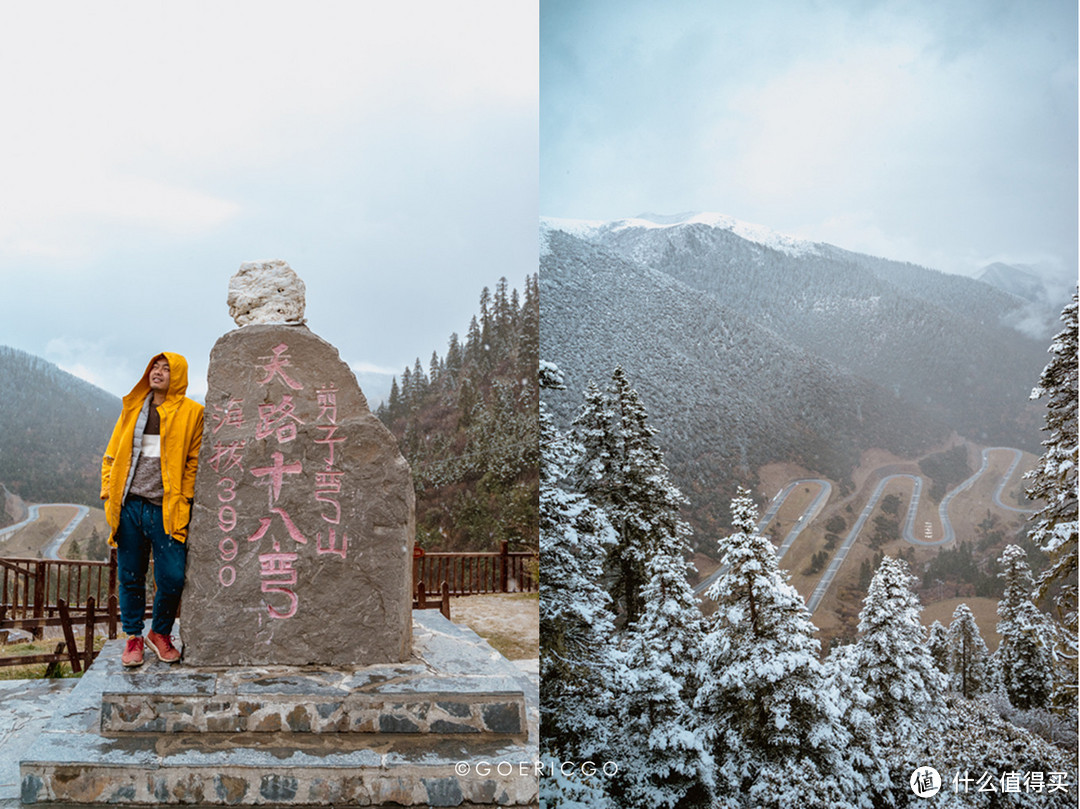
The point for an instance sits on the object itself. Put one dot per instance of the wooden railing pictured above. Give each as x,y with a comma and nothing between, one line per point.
40,593
503,571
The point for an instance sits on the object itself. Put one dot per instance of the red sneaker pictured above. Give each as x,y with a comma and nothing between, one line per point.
163,647
133,652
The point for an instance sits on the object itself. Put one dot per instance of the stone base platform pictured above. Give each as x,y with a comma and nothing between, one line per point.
448,728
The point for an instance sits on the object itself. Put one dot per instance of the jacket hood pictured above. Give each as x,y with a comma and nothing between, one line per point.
178,378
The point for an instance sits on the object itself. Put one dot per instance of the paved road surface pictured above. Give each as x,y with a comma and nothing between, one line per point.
908,533
32,514
841,553
948,533
52,548
1005,480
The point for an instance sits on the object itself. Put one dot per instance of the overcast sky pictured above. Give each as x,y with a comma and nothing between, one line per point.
387,151
942,133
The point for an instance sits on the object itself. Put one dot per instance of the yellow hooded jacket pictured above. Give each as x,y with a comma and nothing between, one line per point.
181,437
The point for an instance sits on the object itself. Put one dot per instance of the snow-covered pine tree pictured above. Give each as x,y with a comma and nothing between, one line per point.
774,730
1054,481
662,760
623,471
968,656
864,749
976,740
577,660
937,642
1023,658
892,662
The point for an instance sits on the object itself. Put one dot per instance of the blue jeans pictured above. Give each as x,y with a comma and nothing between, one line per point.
141,531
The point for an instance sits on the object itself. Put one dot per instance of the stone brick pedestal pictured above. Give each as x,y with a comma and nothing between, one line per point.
450,726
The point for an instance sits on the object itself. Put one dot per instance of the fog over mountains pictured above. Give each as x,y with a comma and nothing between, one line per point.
748,347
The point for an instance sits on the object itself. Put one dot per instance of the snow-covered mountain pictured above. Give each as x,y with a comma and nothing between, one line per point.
1014,280
594,230
749,347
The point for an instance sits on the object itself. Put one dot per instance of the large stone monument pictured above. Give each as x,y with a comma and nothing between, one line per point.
305,680
300,546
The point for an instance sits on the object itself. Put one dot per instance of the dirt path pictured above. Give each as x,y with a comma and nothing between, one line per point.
510,622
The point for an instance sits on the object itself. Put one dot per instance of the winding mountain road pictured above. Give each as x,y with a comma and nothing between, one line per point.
52,547
809,513
908,532
1005,480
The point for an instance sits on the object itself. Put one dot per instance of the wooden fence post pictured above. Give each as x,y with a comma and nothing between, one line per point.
88,652
444,608
39,596
53,669
504,565
69,635
113,609
114,596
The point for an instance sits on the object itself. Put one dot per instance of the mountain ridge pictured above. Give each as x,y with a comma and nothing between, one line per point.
53,430
847,351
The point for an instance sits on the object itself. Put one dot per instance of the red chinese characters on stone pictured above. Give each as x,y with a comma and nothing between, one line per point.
232,415
276,366
228,454
328,482
276,569
278,419
278,574
275,477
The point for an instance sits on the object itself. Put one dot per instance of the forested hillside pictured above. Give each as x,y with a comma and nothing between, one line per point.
53,430
761,349
468,426
726,394
939,341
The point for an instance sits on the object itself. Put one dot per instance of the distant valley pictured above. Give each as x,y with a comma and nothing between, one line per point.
752,349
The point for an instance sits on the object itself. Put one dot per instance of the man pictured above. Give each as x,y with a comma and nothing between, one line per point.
148,483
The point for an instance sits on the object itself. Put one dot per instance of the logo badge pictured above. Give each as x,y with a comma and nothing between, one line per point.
925,782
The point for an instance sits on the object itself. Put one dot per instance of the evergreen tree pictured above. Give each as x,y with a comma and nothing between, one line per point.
938,644
892,662
1023,659
393,401
434,367
623,471
855,704
408,397
420,381
773,728
503,320
576,654
1054,481
529,344
454,358
662,760
474,342
968,656
487,325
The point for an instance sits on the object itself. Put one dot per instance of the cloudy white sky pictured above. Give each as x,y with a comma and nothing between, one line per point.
387,151
943,133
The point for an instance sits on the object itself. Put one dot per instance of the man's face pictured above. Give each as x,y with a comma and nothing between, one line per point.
159,375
